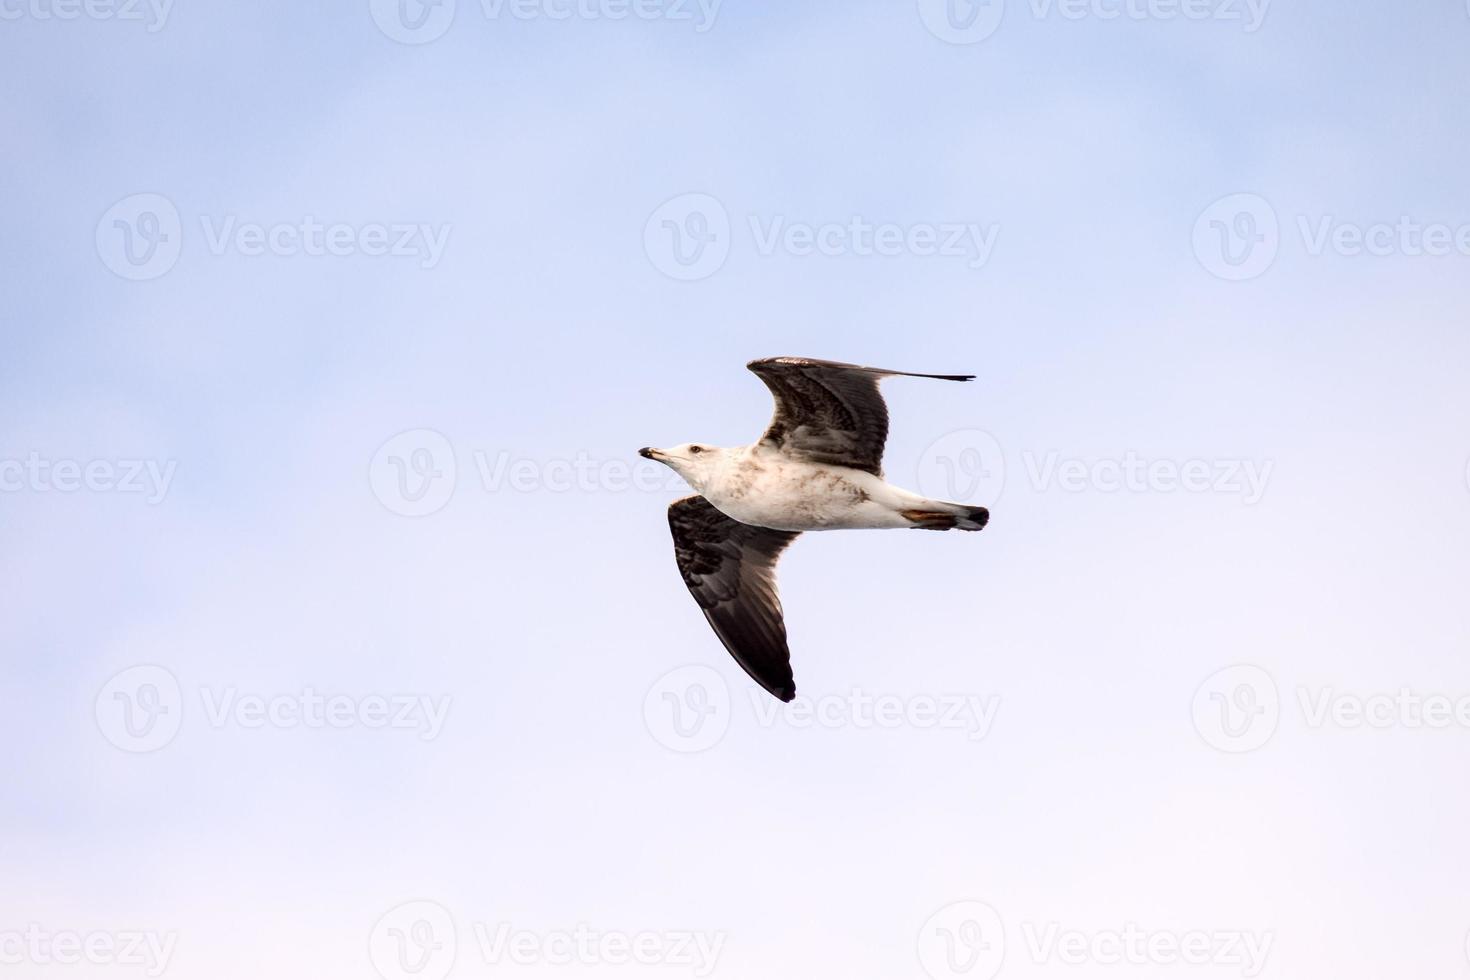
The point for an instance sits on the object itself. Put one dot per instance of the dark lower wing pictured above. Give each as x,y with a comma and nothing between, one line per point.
730,569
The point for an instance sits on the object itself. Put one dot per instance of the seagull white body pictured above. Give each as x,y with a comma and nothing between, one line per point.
818,467
764,486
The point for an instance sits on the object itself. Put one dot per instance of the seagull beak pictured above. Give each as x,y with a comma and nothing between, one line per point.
648,453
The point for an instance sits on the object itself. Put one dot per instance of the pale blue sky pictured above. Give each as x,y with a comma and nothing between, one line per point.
547,332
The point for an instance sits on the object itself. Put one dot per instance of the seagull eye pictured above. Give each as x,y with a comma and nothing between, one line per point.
696,450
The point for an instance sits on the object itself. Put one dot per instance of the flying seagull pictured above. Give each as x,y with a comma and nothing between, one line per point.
818,467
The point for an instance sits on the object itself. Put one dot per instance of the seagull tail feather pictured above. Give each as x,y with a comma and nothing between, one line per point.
954,517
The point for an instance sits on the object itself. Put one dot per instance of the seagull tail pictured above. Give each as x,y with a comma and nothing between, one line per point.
952,517
974,518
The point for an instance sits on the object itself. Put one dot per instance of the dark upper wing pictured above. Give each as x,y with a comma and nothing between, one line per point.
829,412
730,569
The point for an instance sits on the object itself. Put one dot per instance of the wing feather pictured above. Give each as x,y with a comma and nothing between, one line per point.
730,569
829,412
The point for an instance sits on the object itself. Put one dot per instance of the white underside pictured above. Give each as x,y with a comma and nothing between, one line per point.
768,489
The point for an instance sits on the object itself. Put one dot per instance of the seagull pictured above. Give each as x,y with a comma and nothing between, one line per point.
818,467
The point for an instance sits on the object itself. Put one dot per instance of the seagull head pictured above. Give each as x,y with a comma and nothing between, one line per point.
696,462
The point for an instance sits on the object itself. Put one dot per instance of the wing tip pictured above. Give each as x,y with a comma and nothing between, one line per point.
765,362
